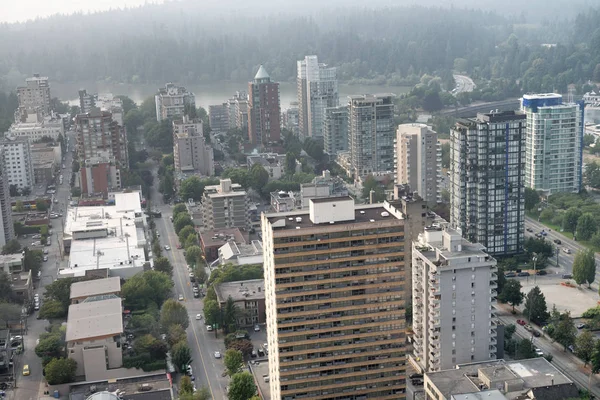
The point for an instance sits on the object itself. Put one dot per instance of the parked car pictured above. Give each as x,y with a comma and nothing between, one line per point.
581,325
167,247
217,354
198,317
523,273
557,241
26,371
510,275
529,230
567,276
539,352
541,272
180,298
521,322
209,328
536,333
256,328
566,250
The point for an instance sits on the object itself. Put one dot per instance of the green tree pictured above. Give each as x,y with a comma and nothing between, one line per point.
182,355
201,394
446,155
584,267
50,347
565,331
60,370
240,176
535,307
192,254
193,187
586,226
13,246
8,312
6,291
584,346
592,174
525,349
212,312
369,184
163,264
509,331
233,361
570,219
230,315
179,208
512,294
290,163
182,221
175,334
242,386
41,205
258,177
52,309
143,322
32,260
185,232
185,385
173,313
532,198
19,207
596,357
146,288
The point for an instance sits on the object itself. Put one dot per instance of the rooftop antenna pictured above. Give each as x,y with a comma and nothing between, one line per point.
571,92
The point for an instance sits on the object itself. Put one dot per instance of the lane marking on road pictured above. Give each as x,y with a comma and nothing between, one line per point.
182,287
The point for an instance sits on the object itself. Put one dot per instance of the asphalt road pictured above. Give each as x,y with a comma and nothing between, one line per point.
207,370
32,387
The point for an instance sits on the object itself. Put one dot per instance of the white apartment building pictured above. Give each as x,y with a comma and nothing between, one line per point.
225,205
487,195
18,166
317,87
34,98
454,300
171,101
34,131
419,160
371,133
191,154
7,229
554,143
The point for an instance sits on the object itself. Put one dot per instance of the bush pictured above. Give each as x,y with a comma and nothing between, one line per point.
591,312
143,362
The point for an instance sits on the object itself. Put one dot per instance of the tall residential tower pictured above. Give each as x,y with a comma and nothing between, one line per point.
264,111
487,180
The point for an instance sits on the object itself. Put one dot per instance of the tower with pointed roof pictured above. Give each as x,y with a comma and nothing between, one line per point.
264,110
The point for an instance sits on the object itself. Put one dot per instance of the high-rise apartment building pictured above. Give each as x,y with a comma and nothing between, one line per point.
371,133
289,118
238,111
102,151
264,111
554,143
419,160
335,294
317,88
225,205
335,133
18,166
172,100
34,99
7,229
105,102
191,154
218,116
454,288
487,202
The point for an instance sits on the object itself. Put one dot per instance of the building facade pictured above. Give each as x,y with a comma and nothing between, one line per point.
290,117
191,154
7,229
335,132
225,205
371,133
18,164
335,296
171,101
317,88
238,111
219,117
554,143
487,202
264,111
454,301
419,160
34,99
50,126
248,296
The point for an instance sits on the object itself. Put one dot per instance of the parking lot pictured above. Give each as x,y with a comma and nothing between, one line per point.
579,298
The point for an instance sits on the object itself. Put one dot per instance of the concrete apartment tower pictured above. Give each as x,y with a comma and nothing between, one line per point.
419,160
171,101
335,134
264,111
487,169
317,89
225,205
34,99
7,229
18,162
554,143
371,133
454,289
335,294
191,154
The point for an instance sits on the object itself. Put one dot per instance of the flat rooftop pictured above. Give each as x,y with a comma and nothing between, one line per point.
95,287
486,395
94,319
129,388
219,237
253,289
11,258
534,373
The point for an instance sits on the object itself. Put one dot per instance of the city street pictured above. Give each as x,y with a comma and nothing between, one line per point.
32,387
207,370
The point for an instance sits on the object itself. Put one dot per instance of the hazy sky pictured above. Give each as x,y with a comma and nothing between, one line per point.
22,10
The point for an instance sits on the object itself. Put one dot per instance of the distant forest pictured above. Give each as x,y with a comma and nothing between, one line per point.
393,45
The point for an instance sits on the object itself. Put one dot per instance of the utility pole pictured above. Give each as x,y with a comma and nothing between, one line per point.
557,253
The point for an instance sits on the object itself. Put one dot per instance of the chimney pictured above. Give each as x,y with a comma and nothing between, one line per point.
371,196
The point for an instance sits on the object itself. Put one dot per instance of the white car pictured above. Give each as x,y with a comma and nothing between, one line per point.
567,251
167,247
198,317
209,328
180,297
217,354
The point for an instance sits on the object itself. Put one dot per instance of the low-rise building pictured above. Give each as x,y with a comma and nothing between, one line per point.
106,236
218,116
284,201
51,126
94,330
80,291
533,378
21,281
149,386
322,186
99,175
273,163
212,241
248,296
241,254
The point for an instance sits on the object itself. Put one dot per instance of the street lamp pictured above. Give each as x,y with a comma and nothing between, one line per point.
534,269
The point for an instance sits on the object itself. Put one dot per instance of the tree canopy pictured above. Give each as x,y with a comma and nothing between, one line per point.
511,293
173,313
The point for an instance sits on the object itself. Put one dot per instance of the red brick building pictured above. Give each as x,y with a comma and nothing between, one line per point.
264,110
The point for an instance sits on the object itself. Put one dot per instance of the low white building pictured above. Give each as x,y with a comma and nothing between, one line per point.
109,236
273,163
50,126
241,254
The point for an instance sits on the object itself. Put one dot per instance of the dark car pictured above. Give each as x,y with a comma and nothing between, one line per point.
529,230
416,376
524,273
541,272
557,241
510,275
417,382
536,333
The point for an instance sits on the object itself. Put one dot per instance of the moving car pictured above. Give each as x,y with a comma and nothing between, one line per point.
180,297
581,326
567,251
557,241
539,352
521,322
198,317
256,328
217,354
45,258
26,370
567,276
167,247
209,328
510,275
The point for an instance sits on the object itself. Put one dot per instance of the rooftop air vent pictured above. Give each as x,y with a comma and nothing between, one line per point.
385,214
